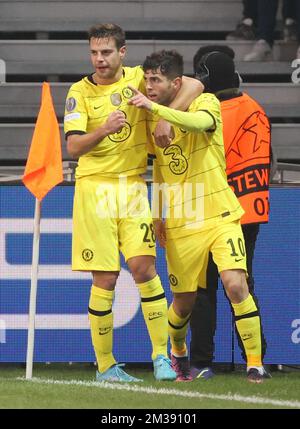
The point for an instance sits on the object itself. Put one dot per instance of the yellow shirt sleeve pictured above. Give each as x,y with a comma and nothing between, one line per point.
209,103
190,121
76,116
203,114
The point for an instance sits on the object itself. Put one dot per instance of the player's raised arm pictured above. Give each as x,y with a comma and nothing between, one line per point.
189,90
79,144
190,121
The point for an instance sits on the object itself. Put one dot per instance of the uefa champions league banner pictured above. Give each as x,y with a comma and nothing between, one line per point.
62,327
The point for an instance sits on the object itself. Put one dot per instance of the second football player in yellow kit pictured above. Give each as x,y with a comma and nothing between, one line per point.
194,164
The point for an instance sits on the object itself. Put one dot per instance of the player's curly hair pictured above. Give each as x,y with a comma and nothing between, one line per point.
106,31
169,63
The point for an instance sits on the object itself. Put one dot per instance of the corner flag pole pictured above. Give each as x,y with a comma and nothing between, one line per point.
43,171
33,288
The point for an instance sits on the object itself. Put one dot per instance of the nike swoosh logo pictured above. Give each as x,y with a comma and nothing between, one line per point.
238,260
97,107
154,317
105,332
150,245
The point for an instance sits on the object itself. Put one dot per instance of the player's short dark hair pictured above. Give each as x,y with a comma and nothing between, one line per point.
169,63
211,48
108,30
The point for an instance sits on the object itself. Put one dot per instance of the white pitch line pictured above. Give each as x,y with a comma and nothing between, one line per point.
163,391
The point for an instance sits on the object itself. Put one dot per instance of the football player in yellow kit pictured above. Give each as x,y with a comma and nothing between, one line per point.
110,139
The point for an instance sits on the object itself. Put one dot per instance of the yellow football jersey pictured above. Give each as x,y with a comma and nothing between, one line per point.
87,108
194,165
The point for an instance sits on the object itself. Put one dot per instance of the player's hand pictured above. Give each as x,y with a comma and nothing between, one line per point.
115,122
139,99
160,232
163,133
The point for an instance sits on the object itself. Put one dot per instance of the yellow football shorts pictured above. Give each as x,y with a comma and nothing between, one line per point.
187,257
109,216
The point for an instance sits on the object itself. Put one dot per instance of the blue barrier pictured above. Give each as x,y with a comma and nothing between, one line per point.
62,331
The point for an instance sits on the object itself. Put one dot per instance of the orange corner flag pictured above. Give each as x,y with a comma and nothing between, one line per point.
44,169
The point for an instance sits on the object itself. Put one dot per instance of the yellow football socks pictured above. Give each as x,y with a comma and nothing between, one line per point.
177,330
155,311
101,322
247,321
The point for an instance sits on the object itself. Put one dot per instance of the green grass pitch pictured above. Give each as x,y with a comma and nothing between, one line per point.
62,386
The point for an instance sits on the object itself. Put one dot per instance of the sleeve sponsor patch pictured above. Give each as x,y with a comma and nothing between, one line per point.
70,104
71,116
